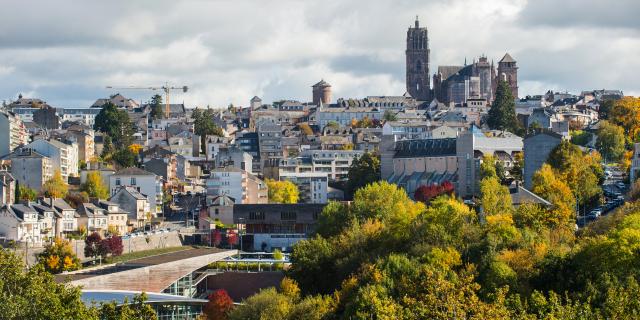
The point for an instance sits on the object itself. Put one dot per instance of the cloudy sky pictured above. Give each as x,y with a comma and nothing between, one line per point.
66,52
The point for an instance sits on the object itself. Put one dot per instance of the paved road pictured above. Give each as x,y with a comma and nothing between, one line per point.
185,205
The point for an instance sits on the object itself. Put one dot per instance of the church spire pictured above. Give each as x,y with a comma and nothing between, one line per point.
417,22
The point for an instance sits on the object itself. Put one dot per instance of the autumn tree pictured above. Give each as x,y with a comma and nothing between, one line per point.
58,256
93,246
305,129
24,193
625,112
218,306
610,141
495,197
363,171
282,191
502,114
55,187
548,185
94,186
425,193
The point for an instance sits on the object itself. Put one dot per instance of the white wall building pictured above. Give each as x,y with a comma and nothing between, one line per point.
12,131
143,181
63,156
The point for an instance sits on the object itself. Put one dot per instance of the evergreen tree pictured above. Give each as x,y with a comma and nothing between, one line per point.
115,123
502,115
157,109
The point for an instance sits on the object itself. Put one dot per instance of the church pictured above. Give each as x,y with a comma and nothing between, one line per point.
453,84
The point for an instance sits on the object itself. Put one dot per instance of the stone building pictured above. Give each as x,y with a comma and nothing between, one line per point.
321,93
508,71
417,64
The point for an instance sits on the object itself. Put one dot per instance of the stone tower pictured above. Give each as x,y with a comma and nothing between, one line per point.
321,92
508,71
418,81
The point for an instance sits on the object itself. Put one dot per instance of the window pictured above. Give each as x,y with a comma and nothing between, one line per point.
133,181
288,215
217,211
256,215
117,181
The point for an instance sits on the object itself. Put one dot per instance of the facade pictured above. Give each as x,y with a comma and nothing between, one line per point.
30,168
508,71
417,64
14,133
93,218
135,204
19,222
84,137
7,188
269,142
64,157
86,116
312,186
335,163
143,181
68,216
238,184
276,226
117,219
537,148
219,210
473,145
423,162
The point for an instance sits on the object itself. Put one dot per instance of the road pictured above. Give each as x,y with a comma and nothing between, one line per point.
185,205
612,187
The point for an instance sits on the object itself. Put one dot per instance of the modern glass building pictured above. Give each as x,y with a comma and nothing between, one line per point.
167,306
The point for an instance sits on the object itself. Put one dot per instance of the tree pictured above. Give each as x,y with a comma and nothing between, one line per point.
305,128
390,116
34,294
112,245
495,197
24,193
125,158
267,304
94,186
218,306
363,171
93,246
76,199
549,186
58,256
426,193
610,141
625,112
55,187
203,125
115,123
137,309
282,191
157,108
502,114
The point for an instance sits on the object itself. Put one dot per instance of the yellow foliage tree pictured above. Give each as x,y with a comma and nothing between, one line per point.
282,191
55,187
548,185
626,113
135,148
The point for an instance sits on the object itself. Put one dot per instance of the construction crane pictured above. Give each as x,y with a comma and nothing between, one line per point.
166,88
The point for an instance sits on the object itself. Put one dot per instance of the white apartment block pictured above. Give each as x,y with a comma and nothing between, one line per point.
12,131
63,156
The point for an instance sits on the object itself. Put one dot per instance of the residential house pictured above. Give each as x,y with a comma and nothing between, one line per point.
135,203
237,184
145,182
93,218
13,131
219,210
68,216
30,168
117,219
20,222
50,220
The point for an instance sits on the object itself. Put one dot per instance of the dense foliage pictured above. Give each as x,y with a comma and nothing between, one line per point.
502,114
115,124
58,256
55,187
363,171
157,108
96,246
388,257
611,141
34,294
203,125
94,186
282,191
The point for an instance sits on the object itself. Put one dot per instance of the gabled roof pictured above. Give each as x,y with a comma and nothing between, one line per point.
507,58
520,195
322,83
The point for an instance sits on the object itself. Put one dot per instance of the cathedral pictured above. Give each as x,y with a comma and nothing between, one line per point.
454,84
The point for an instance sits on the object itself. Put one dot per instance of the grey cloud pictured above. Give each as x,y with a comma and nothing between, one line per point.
581,13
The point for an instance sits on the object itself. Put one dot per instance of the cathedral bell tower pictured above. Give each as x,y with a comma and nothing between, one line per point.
418,81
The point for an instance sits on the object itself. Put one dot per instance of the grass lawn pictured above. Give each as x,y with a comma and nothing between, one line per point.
142,254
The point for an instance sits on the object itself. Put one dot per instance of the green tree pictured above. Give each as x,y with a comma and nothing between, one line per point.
55,187
137,309
390,116
204,125
24,193
282,191
363,171
124,158
94,186
610,141
34,294
267,304
502,114
495,197
115,123
157,108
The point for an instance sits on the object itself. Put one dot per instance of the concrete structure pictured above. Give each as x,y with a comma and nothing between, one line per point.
269,142
472,146
64,157
417,63
537,148
13,131
276,226
143,181
30,168
135,204
7,188
238,184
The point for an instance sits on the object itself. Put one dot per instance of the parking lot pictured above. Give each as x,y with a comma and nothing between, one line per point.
614,190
